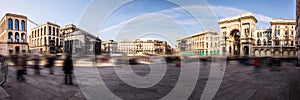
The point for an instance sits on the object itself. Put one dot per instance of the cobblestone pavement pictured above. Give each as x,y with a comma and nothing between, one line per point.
238,83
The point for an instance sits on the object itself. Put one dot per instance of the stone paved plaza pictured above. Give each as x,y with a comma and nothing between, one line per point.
238,83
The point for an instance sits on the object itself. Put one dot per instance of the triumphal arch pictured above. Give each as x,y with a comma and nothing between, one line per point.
238,32
243,39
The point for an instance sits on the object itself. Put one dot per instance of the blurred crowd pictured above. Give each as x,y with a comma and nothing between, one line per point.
21,62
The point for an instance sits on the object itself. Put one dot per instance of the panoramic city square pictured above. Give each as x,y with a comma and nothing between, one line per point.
150,50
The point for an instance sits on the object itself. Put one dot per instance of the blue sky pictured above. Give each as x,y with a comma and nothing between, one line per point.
138,16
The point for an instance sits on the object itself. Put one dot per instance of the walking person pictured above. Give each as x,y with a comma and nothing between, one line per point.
25,63
20,68
36,64
256,64
68,70
50,64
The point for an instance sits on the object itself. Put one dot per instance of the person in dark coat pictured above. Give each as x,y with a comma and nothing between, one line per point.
68,70
20,68
50,63
25,63
36,64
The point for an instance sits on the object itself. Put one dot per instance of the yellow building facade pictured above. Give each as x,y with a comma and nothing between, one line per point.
45,38
244,39
13,34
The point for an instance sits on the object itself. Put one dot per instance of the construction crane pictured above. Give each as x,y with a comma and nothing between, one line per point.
33,22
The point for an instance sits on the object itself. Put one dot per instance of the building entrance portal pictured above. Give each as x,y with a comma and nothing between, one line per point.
238,32
235,36
246,50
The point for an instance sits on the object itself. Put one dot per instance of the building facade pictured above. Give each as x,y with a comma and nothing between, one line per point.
243,39
79,42
109,47
154,47
239,34
46,38
13,34
203,44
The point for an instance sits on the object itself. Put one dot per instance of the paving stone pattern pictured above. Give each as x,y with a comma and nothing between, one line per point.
238,84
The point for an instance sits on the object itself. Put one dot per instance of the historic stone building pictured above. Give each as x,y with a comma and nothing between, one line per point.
243,39
239,34
155,47
208,43
79,42
109,47
46,38
13,34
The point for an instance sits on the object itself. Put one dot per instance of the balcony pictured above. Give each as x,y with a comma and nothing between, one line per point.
16,42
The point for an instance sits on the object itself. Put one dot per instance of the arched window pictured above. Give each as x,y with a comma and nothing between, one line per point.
38,32
10,37
23,37
258,42
277,42
56,42
16,24
57,32
257,35
53,31
269,42
286,41
23,25
265,42
49,28
269,34
45,41
10,24
292,43
45,30
41,31
216,45
35,35
17,37
260,34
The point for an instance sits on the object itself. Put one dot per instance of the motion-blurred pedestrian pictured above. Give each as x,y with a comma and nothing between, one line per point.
50,63
68,70
36,64
276,64
25,56
20,68
257,66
